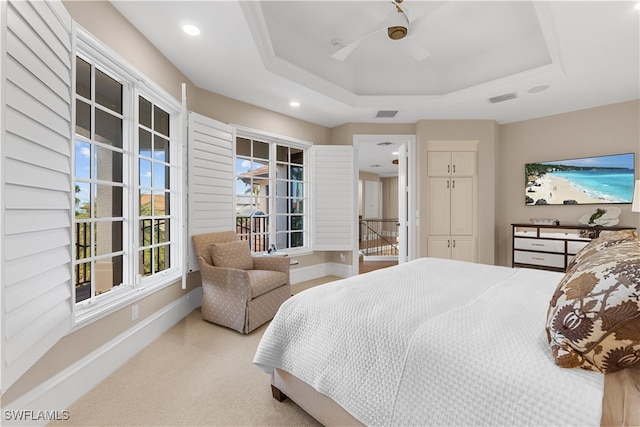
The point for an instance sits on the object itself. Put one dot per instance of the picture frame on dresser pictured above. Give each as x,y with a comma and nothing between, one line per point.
551,247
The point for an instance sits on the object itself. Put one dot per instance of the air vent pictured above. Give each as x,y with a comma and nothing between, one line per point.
501,98
386,114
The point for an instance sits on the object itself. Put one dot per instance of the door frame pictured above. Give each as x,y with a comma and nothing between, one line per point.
360,140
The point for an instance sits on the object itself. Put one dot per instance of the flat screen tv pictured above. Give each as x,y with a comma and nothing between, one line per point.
580,181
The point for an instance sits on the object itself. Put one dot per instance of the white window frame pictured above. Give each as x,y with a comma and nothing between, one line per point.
134,285
273,140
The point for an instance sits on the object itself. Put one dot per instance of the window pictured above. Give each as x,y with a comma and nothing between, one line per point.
126,159
271,194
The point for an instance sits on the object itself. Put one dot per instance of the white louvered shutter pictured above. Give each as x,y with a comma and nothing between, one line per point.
37,306
210,182
333,193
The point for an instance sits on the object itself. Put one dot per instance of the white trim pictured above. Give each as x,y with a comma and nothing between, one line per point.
301,274
69,385
260,135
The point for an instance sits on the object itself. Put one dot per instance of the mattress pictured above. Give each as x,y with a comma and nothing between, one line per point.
433,342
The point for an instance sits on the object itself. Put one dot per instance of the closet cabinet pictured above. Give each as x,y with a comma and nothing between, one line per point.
451,204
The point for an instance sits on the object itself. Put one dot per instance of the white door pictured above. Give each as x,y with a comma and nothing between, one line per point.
403,202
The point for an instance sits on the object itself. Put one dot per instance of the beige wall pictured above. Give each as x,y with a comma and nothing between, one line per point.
611,129
484,131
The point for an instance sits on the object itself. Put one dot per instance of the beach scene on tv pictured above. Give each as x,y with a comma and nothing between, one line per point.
589,180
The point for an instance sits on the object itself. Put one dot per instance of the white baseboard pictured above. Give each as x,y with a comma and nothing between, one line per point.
60,391
302,274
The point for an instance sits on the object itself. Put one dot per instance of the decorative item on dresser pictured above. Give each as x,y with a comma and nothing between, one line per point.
551,247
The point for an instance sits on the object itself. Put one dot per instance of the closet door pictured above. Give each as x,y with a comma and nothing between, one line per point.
439,206
461,206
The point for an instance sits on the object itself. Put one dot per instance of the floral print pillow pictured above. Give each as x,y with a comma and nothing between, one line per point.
593,320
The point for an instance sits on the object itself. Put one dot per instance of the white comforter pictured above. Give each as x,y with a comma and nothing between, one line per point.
433,342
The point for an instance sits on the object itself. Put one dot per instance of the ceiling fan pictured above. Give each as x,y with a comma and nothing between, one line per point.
397,28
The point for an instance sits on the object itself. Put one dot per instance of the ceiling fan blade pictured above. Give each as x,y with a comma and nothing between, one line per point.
344,52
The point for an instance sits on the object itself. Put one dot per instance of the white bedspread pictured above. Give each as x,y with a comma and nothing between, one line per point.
433,342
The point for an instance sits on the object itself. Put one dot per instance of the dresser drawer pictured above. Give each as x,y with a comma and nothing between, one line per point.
539,245
575,247
541,259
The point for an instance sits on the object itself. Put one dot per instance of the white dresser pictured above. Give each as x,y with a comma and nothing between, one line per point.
551,247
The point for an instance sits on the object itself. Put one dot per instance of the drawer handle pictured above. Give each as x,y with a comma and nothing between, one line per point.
538,259
537,244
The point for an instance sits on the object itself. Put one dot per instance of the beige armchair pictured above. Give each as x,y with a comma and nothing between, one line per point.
239,291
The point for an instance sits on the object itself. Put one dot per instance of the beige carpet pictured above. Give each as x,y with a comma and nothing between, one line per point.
196,374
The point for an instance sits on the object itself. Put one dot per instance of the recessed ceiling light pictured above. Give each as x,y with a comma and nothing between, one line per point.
395,153
294,103
637,6
190,29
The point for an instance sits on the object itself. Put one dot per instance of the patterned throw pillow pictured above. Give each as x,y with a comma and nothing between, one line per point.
234,254
593,320
605,240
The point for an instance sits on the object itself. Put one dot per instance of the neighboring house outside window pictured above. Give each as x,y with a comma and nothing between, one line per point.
127,184
271,194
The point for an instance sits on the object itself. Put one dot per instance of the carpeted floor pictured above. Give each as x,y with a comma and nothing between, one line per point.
196,374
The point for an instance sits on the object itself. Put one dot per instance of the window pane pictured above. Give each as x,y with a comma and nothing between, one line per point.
83,119
144,112
260,150
82,156
160,203
297,156
108,129
161,149
83,199
146,229
160,121
144,143
108,202
145,173
145,260
162,258
83,78
108,237
108,92
282,223
282,153
145,202
243,147
161,231
282,240
297,239
297,222
297,189
83,281
296,173
83,240
108,273
296,206
160,176
108,165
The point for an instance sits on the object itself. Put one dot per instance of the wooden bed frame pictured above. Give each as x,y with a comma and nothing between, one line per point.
620,404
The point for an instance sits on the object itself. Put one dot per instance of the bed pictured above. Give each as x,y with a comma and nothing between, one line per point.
436,342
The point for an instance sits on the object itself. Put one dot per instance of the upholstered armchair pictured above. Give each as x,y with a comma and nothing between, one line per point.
239,291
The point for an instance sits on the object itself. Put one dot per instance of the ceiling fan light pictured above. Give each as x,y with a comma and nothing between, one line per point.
397,32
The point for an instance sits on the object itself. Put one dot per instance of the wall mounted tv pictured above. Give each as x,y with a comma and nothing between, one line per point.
580,181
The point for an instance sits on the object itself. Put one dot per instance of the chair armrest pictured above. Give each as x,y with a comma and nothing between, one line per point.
230,280
273,263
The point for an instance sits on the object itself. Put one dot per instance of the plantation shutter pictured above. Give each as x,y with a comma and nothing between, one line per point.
37,305
333,194
210,181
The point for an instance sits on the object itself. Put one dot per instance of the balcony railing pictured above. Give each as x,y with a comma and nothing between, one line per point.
379,237
255,229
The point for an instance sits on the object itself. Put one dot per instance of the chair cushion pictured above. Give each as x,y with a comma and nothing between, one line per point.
234,254
263,281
